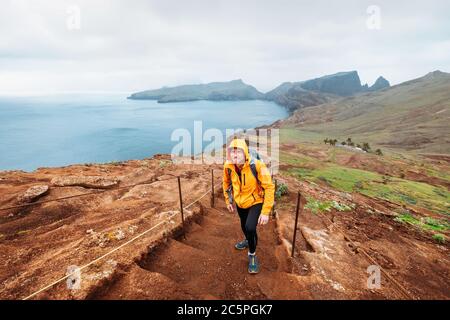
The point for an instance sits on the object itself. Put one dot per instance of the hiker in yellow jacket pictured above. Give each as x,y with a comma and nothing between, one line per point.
248,184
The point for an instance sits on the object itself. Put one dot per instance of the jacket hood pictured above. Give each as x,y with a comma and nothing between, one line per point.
238,143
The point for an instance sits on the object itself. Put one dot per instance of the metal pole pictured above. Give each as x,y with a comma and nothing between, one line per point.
296,221
181,205
212,188
275,200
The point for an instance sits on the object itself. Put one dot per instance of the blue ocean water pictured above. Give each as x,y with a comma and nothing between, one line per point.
49,131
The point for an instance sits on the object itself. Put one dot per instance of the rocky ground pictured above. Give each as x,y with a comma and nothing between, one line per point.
38,244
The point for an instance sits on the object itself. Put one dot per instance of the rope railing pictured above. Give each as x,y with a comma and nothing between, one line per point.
87,193
129,241
117,248
93,193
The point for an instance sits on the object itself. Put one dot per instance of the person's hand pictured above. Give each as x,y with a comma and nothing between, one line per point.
230,207
263,219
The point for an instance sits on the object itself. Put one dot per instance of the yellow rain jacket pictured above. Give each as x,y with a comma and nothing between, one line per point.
246,189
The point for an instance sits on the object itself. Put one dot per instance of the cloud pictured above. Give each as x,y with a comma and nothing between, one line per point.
130,46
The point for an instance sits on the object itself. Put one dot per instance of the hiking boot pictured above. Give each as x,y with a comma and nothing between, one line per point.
241,245
253,264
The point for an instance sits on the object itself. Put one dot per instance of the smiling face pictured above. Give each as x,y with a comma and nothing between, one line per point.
237,156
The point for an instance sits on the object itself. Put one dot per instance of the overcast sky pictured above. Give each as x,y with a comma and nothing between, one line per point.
127,46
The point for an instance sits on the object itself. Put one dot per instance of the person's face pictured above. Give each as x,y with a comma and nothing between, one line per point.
237,156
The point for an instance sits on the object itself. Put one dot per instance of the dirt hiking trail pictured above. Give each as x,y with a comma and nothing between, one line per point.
205,265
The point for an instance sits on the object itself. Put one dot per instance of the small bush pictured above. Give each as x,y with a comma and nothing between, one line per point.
163,163
358,185
282,189
427,223
317,206
115,163
440,238
341,206
386,179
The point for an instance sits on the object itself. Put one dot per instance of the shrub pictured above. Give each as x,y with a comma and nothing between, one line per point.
386,179
440,238
282,189
317,206
366,147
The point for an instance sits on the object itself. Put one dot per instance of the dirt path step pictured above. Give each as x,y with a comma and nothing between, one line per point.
206,265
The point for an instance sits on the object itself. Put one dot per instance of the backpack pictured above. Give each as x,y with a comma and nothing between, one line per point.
255,154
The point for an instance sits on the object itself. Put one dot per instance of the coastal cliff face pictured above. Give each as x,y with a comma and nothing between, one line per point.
341,84
216,91
297,95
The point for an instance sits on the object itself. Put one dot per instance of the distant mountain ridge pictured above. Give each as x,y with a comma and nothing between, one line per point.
293,95
216,91
412,115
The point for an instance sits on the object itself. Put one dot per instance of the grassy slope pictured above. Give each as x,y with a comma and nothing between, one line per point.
308,158
411,116
402,191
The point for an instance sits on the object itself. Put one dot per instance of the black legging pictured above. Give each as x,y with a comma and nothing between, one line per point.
249,220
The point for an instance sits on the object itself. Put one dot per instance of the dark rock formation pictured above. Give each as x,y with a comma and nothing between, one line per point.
295,95
341,84
381,83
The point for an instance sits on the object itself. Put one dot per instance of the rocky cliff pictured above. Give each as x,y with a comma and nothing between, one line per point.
296,95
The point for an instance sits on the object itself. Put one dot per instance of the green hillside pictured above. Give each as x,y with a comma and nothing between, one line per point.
411,116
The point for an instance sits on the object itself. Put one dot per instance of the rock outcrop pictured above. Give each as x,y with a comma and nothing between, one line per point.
94,182
297,97
33,193
341,84
380,84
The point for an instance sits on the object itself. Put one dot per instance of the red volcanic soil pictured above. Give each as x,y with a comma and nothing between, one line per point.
39,243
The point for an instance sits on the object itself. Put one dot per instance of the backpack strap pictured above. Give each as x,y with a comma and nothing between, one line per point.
230,188
254,171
